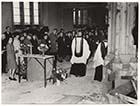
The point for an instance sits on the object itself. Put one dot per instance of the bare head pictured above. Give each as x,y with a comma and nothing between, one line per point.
45,37
55,31
34,37
17,36
29,37
79,33
61,34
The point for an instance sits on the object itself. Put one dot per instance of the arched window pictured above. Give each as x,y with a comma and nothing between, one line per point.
79,17
74,16
36,13
26,13
16,13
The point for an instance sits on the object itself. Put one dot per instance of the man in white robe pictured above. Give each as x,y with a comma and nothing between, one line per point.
80,54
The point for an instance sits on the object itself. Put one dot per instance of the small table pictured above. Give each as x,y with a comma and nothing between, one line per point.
36,57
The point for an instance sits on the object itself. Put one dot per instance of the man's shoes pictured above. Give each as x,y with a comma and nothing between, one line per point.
14,79
10,78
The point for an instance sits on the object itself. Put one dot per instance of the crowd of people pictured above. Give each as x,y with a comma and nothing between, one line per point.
59,43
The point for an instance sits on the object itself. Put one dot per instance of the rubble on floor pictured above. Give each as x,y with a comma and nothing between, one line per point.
74,90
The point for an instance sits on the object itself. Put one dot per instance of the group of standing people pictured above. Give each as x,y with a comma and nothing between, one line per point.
74,46
9,54
31,41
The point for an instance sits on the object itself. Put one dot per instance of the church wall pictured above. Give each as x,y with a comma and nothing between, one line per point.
6,17
67,19
50,15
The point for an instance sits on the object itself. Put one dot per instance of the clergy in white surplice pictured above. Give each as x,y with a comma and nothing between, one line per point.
98,60
80,55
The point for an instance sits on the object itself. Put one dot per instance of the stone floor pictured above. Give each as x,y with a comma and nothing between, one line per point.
73,87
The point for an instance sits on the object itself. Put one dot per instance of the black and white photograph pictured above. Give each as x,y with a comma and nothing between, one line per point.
75,52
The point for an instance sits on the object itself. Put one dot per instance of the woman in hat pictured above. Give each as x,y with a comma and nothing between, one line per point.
11,59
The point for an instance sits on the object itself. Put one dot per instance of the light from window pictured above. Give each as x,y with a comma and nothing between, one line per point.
16,13
26,13
79,17
74,16
36,13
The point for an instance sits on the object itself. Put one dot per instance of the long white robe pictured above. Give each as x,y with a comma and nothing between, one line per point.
98,60
86,52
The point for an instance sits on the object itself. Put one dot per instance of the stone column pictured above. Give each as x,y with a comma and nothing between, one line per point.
117,32
111,29
131,46
113,32
120,41
126,48
122,36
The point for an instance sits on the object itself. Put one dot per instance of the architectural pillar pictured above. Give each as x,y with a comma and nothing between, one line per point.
120,41
126,48
109,28
111,32
132,47
123,36
117,32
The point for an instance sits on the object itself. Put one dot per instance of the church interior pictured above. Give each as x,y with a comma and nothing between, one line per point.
116,22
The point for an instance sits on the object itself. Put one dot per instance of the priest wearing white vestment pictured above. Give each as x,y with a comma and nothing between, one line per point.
80,55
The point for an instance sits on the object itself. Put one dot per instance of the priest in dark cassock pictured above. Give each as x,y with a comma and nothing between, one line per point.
80,54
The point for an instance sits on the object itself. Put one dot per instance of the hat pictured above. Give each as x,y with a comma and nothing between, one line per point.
44,29
16,33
